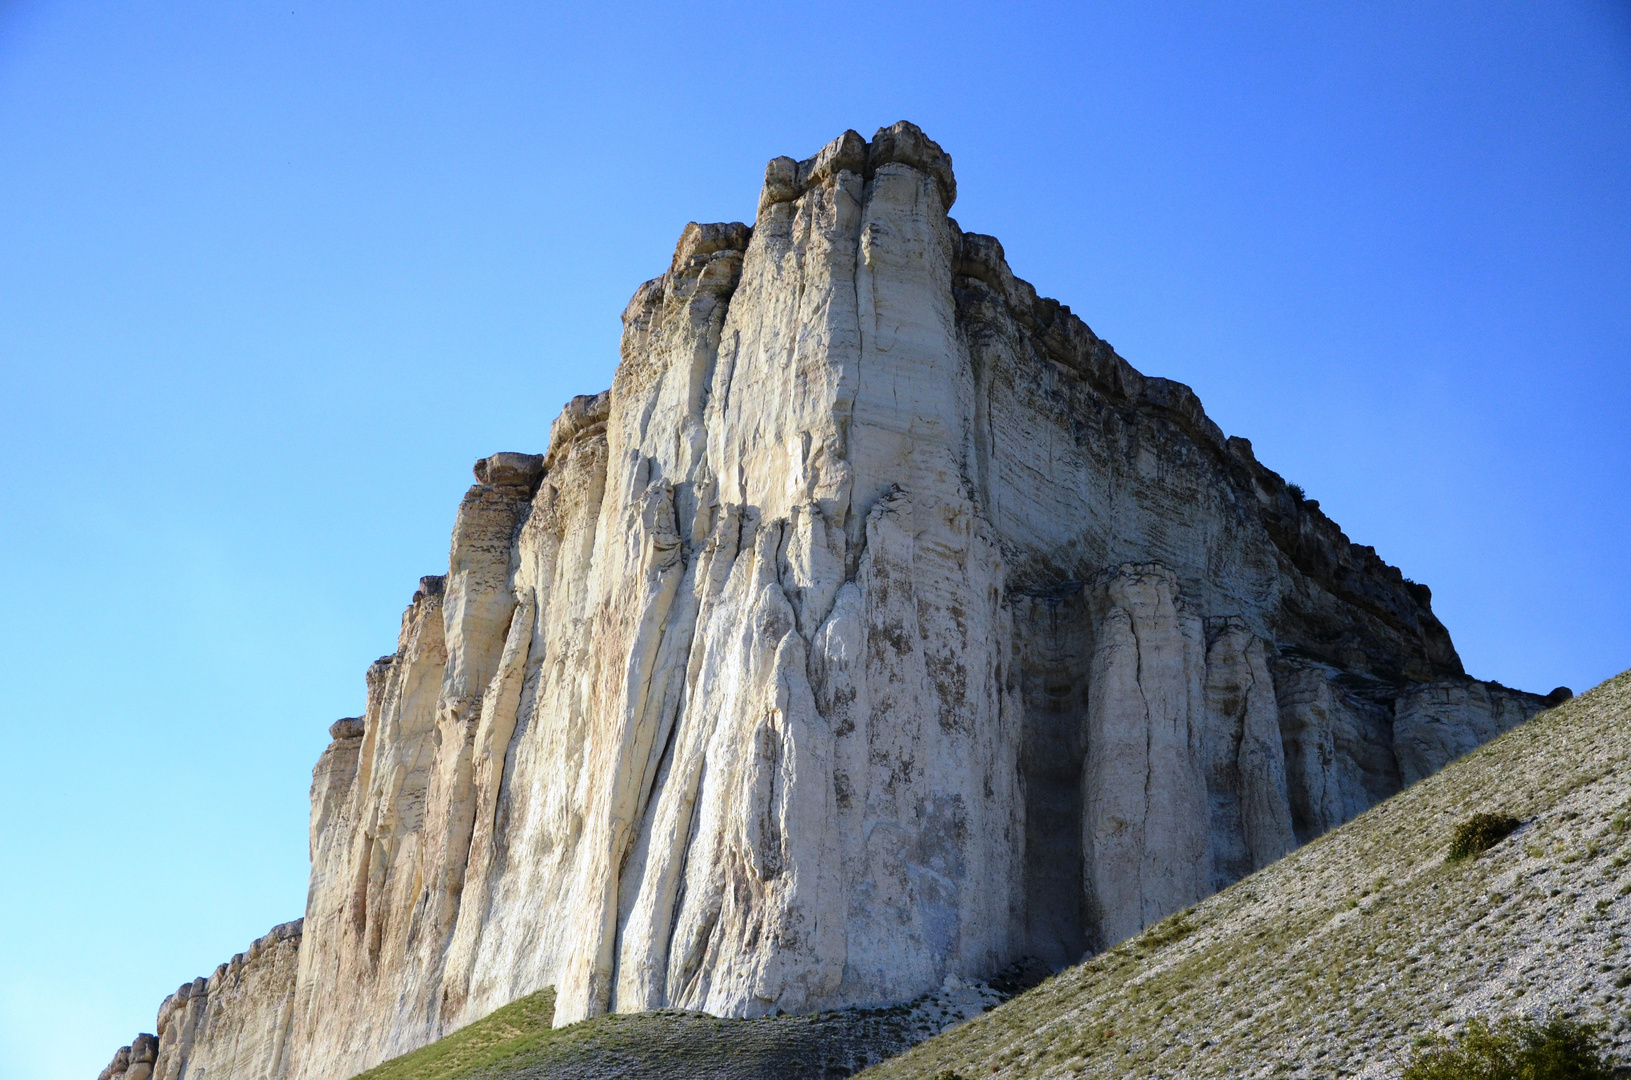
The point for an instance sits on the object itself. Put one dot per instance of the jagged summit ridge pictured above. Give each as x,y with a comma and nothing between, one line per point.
880,625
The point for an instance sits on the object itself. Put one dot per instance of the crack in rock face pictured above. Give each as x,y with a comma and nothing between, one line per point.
879,627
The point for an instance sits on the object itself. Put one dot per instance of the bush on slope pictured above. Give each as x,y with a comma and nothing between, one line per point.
1515,1049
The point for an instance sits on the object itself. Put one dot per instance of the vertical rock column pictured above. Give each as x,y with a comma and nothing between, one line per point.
1145,837
834,820
1245,760
394,805
1309,714
476,615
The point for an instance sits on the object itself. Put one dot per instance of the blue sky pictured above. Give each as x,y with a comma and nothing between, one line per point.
273,276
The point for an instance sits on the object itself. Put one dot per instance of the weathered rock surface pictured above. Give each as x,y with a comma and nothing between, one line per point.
236,1023
880,625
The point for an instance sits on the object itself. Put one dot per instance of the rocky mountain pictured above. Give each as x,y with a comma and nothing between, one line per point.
878,627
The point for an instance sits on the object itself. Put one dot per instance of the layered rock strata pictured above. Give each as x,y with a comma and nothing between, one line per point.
880,625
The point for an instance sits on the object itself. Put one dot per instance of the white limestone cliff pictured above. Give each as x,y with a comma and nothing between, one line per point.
880,625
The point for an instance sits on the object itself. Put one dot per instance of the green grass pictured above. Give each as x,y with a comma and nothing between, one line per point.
517,1043
1172,928
511,1032
1479,833
1516,1048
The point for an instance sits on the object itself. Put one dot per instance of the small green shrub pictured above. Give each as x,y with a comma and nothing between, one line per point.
1516,1049
1172,928
1479,833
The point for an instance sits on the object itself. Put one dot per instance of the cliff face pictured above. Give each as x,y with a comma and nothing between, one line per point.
880,624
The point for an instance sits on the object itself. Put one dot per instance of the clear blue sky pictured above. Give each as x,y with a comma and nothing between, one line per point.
273,276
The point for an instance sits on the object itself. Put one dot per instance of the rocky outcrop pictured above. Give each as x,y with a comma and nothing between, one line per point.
134,1062
1244,756
235,1023
1436,723
878,627
1145,823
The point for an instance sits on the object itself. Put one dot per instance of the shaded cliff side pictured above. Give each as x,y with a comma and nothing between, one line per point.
1342,959
880,625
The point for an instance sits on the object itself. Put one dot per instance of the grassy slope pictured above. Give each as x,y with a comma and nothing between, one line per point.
517,1043
511,1032
1339,958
